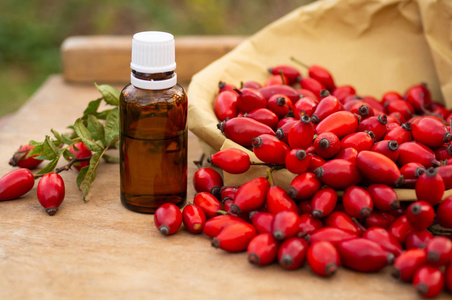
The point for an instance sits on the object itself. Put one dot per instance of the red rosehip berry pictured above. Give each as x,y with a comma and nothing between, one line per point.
16,184
421,215
168,218
235,237
407,263
193,218
262,249
428,281
250,196
21,160
439,251
208,203
51,192
363,255
80,150
323,258
286,224
231,160
207,180
292,253
444,213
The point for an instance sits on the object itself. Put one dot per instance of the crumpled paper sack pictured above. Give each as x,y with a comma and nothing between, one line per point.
374,45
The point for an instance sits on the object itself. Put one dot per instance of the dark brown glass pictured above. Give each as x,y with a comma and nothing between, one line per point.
153,153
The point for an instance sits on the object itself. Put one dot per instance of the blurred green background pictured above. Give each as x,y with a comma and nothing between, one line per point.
31,32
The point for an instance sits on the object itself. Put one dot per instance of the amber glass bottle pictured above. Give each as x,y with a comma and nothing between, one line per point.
153,118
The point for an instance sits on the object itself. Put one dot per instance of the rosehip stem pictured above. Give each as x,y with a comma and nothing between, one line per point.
198,162
359,224
410,181
270,177
66,167
282,77
274,166
299,62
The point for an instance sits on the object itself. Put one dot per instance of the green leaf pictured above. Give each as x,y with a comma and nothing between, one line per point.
34,143
50,150
38,149
66,139
102,115
81,176
57,135
86,137
111,159
89,176
92,108
50,166
68,155
109,93
96,128
112,126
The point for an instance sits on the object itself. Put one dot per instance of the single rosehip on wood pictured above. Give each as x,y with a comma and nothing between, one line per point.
16,184
51,192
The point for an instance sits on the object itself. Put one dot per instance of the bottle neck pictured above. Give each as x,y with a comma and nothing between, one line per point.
153,81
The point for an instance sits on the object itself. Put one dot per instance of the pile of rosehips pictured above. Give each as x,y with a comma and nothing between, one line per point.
51,188
347,153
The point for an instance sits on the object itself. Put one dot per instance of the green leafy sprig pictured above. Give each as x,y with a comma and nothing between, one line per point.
98,130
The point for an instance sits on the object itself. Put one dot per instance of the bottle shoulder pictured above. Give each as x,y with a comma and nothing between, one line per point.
130,93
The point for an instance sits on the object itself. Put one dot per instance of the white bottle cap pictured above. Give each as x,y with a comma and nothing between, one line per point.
153,52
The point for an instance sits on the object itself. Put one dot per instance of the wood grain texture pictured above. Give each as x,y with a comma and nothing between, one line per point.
100,250
107,58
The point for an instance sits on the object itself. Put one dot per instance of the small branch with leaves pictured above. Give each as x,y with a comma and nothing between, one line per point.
98,130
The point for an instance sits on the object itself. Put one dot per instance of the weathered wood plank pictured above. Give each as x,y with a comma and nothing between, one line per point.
107,58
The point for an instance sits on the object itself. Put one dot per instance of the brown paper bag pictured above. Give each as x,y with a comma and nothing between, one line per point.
376,46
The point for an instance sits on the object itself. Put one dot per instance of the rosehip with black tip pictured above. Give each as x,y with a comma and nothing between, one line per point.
51,192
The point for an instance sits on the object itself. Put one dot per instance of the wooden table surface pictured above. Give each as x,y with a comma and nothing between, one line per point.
100,250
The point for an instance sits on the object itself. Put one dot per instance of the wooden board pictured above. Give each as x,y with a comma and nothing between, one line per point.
107,58
100,250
